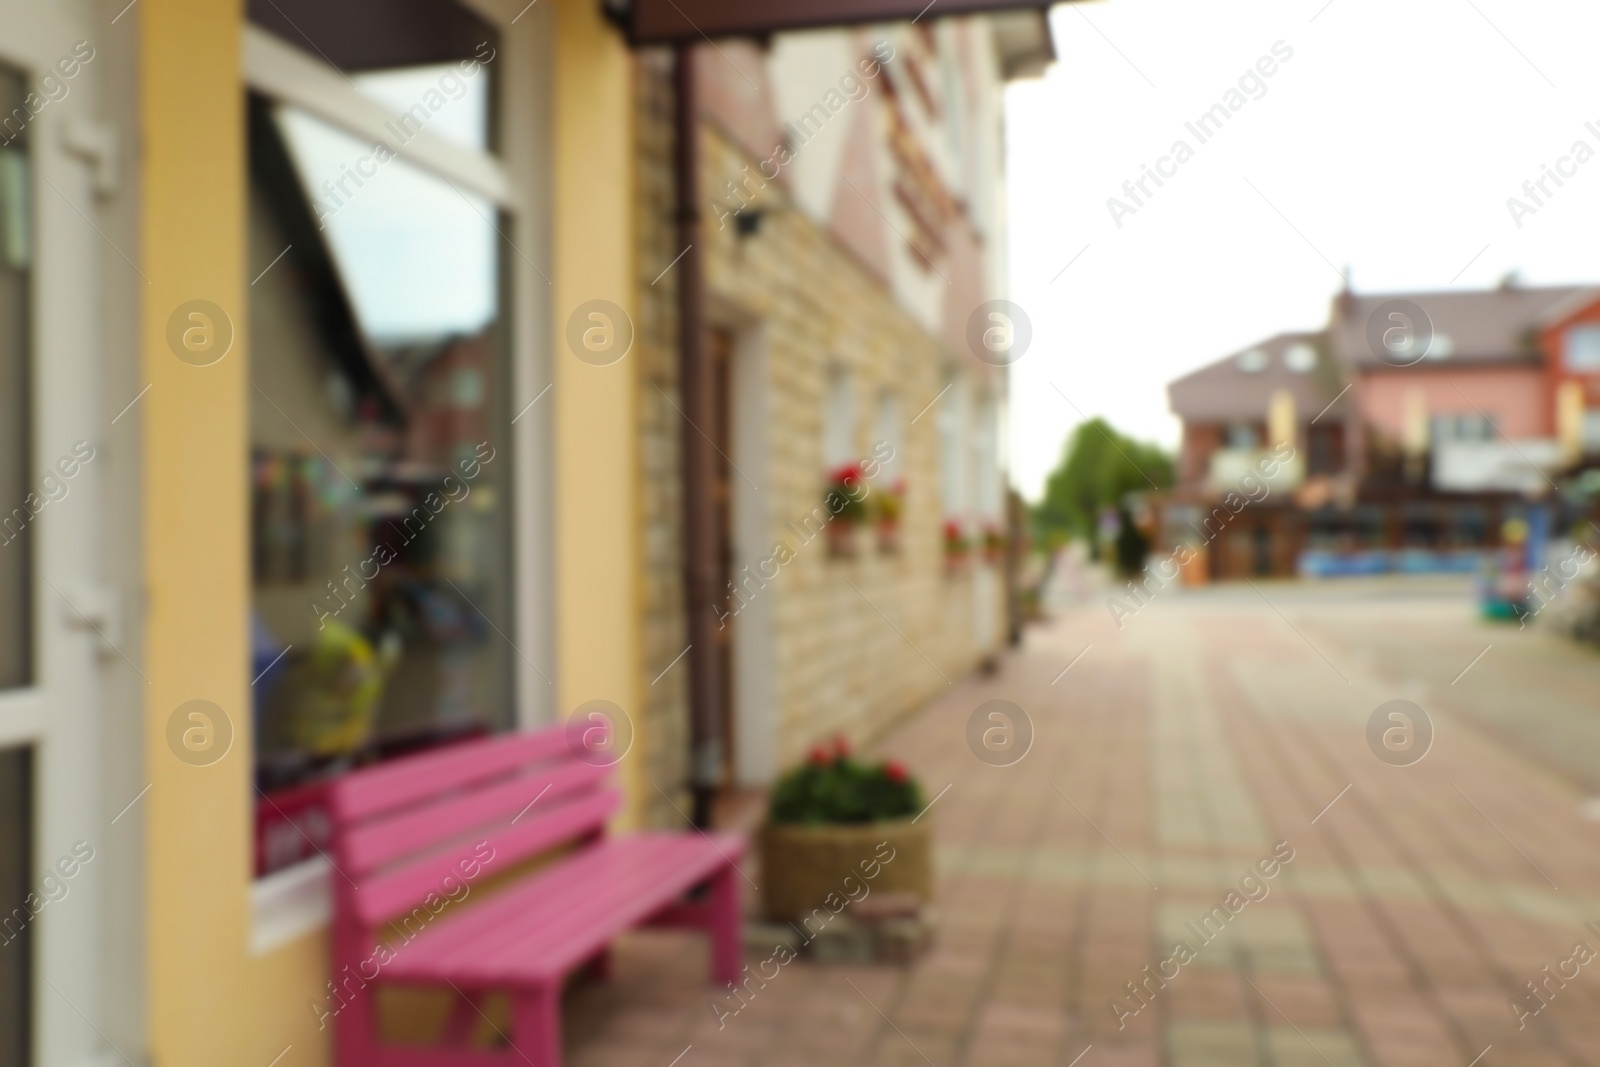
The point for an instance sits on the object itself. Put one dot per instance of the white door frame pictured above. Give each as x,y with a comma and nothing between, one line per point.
58,713
755,662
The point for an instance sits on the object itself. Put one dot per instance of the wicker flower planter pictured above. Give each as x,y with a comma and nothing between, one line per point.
802,865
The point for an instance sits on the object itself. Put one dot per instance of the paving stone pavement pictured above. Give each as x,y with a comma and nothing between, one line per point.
1216,735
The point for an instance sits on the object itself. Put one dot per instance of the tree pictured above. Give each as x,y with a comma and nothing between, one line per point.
1098,468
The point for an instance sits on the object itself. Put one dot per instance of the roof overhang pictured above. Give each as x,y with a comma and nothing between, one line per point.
683,21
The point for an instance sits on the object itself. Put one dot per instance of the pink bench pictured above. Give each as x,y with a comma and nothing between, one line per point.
416,843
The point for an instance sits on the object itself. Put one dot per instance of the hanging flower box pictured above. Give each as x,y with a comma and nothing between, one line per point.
994,544
957,546
888,507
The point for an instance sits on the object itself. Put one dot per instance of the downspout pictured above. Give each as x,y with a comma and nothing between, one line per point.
700,535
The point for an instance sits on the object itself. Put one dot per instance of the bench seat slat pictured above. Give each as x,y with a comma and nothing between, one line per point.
594,892
393,893
541,928
382,841
563,894
651,893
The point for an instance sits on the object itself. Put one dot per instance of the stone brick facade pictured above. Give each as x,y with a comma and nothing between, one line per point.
664,726
857,642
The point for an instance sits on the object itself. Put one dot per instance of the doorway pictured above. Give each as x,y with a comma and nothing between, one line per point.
51,422
749,563
720,357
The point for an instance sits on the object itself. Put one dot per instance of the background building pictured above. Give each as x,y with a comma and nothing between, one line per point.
853,222
1408,457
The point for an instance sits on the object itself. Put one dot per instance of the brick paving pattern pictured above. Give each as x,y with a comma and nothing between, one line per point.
1167,765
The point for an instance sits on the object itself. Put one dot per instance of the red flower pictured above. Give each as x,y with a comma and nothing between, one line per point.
841,748
849,474
896,772
818,756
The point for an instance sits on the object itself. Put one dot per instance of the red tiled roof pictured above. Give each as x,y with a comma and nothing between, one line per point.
1479,326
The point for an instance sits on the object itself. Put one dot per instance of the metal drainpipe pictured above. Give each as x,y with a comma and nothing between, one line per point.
700,555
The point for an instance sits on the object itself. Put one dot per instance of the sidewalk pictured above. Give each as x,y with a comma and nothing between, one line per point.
1168,763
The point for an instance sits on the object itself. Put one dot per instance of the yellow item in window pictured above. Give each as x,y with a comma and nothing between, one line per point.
335,701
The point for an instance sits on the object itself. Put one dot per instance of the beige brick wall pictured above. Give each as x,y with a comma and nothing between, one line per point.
841,667
664,719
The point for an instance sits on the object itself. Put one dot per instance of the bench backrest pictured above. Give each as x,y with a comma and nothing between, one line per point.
411,828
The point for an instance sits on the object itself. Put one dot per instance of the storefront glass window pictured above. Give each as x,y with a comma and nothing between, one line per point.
381,475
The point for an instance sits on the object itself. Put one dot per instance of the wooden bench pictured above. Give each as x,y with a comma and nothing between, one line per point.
414,842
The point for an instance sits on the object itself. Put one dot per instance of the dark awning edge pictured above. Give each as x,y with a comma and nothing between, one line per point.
679,21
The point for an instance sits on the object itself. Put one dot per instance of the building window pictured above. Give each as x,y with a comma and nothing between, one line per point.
1582,349
986,492
1463,427
1252,362
1471,527
381,463
1326,447
1243,435
839,420
1369,526
887,429
1422,526
953,484
1300,358
1326,529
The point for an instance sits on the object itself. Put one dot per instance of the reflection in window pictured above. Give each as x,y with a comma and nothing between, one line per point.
417,255
379,472
18,498
443,98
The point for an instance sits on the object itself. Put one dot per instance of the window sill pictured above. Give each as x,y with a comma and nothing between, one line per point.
289,903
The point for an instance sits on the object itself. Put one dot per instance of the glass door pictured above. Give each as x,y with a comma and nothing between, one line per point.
50,353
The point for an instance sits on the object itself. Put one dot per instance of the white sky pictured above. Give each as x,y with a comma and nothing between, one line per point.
1391,140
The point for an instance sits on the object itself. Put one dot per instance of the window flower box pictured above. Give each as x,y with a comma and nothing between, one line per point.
846,501
994,543
957,546
889,507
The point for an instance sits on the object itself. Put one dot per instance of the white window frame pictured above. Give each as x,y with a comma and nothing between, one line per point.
839,418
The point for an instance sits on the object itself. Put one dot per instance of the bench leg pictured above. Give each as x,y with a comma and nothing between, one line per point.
465,1014
723,926
356,1030
536,1024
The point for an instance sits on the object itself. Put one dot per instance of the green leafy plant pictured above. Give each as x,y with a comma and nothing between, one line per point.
832,787
1099,467
845,495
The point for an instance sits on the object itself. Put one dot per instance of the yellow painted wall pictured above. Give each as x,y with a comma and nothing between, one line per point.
598,600
209,1002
